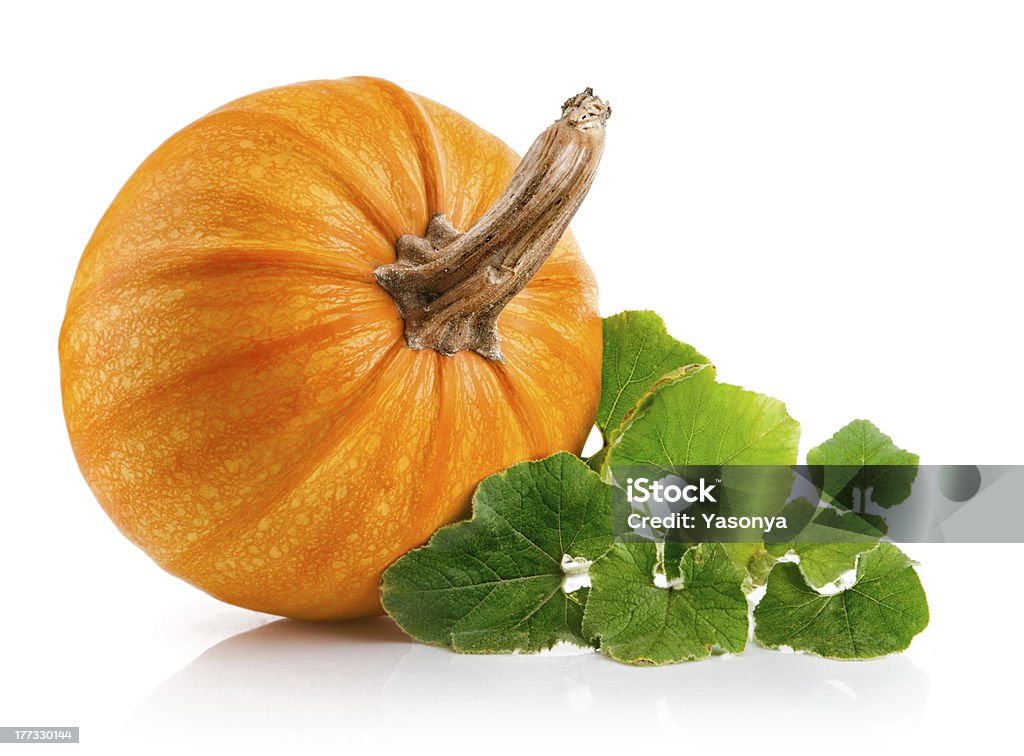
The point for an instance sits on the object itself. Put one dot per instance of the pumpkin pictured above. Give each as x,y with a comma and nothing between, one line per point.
313,320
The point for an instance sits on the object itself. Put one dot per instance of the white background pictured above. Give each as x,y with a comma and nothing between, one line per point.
825,198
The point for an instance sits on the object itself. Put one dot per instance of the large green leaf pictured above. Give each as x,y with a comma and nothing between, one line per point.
495,583
861,462
693,420
878,615
690,423
635,621
857,463
638,351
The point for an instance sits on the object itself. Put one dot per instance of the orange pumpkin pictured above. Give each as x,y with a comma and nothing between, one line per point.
243,396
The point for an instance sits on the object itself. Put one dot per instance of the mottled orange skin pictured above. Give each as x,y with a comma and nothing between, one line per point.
237,387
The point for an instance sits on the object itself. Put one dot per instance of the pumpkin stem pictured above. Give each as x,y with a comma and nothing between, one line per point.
449,287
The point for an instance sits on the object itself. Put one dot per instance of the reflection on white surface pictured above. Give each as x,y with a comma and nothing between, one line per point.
364,680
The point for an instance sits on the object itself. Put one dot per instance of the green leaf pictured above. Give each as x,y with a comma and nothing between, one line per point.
690,420
828,541
860,461
494,583
694,420
637,622
638,351
878,615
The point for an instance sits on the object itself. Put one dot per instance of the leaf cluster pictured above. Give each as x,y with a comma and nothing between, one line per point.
536,564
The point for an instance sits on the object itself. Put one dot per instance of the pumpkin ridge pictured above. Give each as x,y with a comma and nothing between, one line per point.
277,495
421,131
319,157
179,380
386,227
194,259
529,423
558,345
324,156
225,261
470,192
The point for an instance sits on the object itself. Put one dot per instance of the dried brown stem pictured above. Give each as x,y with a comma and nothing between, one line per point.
451,287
